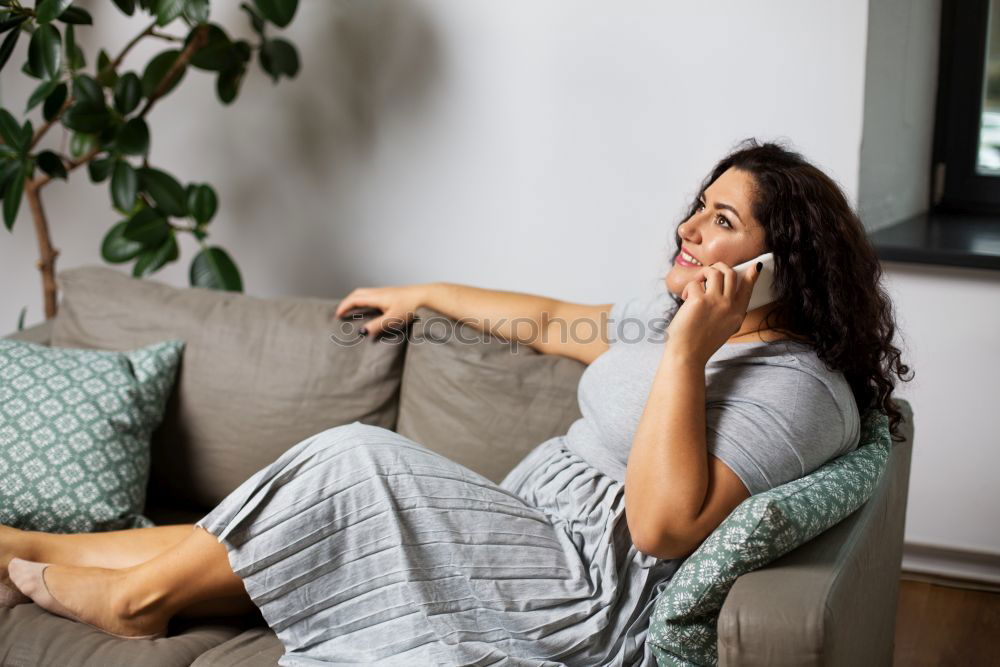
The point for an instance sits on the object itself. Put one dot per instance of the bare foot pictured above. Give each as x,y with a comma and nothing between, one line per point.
102,597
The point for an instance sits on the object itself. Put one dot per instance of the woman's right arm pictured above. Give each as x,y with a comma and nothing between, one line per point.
550,326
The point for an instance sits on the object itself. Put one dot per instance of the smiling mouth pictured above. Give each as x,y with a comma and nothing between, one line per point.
684,259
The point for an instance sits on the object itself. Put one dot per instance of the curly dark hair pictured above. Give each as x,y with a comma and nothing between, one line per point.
826,273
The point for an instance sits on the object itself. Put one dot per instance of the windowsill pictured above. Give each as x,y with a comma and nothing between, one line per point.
952,239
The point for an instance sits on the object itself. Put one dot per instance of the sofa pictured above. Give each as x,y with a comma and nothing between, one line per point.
258,375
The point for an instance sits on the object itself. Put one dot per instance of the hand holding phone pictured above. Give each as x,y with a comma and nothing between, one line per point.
763,289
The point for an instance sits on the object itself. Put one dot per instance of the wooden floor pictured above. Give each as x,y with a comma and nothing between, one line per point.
942,625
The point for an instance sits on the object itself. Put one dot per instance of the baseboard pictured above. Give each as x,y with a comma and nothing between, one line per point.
959,568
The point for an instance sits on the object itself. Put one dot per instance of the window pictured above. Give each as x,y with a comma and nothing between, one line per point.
966,155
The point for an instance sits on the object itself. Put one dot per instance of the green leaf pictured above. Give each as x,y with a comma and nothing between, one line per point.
77,16
54,102
115,248
77,61
70,41
157,69
277,57
99,168
87,117
214,268
8,171
147,226
124,186
127,6
48,10
256,22
11,23
44,51
12,199
166,192
105,72
81,143
7,47
243,50
278,12
74,54
168,10
151,261
87,89
128,93
133,137
27,69
202,202
10,130
52,165
27,134
197,11
217,54
44,89
20,318
228,84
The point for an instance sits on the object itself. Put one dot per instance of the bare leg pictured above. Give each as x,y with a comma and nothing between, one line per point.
113,549
118,550
141,599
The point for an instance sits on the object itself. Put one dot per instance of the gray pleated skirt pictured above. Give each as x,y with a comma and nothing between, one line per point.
360,545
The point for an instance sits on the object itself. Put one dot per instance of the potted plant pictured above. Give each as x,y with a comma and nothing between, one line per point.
104,106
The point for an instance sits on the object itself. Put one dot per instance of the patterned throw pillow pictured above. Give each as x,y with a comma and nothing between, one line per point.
683,628
75,428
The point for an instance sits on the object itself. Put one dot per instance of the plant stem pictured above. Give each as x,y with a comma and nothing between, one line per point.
199,40
47,254
128,47
40,132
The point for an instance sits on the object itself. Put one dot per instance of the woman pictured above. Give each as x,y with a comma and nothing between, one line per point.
360,545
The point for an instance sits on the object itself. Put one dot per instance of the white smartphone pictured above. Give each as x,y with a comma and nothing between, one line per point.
763,293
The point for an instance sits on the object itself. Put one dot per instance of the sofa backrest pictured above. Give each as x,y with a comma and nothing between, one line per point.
482,401
257,375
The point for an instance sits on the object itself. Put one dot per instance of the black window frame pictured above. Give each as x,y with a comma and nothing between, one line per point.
955,185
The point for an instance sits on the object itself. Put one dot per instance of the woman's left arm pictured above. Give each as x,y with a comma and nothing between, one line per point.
676,493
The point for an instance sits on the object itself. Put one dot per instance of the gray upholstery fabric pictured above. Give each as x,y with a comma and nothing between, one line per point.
258,375
32,637
40,333
480,403
256,647
833,600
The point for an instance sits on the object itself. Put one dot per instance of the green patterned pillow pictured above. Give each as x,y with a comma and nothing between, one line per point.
765,526
75,428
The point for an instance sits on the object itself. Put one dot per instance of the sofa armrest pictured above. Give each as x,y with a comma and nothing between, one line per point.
833,600
40,333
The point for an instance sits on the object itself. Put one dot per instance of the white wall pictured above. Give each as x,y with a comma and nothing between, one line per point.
547,148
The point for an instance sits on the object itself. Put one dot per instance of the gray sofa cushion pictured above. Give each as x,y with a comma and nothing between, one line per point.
258,375
29,635
484,404
256,647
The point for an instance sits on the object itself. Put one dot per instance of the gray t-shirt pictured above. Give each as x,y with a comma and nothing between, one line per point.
773,411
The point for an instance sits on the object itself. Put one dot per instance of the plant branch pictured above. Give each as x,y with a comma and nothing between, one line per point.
128,47
198,40
47,254
165,36
40,132
42,181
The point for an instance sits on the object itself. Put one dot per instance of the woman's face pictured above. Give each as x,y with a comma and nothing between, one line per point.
722,229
